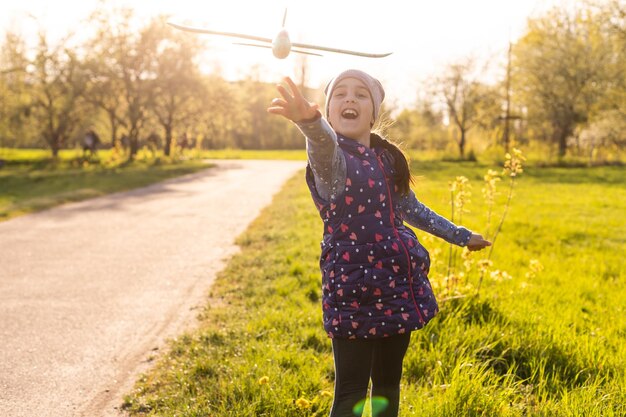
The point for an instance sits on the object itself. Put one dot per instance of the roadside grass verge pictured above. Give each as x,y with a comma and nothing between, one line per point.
260,347
295,154
30,181
546,344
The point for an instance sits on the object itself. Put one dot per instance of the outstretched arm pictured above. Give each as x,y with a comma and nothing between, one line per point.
325,158
418,215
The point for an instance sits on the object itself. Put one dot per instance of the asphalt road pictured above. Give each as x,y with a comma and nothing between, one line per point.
89,290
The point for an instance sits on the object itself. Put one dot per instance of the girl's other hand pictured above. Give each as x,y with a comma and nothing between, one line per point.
293,105
477,242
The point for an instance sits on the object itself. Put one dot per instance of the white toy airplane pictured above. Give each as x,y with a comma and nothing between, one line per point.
280,45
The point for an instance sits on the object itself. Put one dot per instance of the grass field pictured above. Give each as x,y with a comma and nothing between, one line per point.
30,181
545,336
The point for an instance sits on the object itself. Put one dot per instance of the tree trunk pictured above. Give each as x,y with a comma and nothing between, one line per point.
134,147
168,140
113,124
563,132
562,143
55,144
462,143
133,137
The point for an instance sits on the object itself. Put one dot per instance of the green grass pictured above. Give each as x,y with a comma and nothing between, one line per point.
552,344
298,154
30,181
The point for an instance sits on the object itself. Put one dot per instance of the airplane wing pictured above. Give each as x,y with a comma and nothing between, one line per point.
269,47
340,51
268,40
214,32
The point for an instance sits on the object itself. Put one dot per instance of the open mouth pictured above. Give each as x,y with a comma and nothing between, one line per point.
349,114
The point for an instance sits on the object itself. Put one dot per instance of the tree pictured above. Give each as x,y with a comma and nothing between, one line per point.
221,113
126,61
463,94
611,107
420,127
105,89
177,90
559,71
606,126
14,99
254,129
56,84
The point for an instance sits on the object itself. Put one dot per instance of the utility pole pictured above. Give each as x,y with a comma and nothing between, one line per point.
301,70
507,116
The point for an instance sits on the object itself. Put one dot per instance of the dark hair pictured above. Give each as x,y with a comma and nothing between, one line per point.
402,176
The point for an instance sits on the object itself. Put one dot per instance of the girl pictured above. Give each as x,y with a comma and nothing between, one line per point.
374,271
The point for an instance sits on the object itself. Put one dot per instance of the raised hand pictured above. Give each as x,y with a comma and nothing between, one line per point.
293,105
477,242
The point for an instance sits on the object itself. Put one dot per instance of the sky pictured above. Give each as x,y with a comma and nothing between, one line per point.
423,36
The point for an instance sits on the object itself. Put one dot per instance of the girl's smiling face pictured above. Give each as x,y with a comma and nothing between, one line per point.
351,110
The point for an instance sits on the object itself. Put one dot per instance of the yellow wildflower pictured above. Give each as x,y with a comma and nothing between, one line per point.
513,163
468,264
535,267
303,403
489,191
326,393
484,265
461,186
498,275
264,380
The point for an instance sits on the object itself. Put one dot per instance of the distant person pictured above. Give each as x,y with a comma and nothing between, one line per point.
90,143
375,287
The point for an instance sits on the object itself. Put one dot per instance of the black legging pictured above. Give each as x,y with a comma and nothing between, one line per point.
358,360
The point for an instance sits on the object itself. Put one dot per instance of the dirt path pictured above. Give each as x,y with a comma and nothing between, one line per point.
88,290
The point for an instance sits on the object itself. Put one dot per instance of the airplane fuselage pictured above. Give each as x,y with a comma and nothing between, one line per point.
281,45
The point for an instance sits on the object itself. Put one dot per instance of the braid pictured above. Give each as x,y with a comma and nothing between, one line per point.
402,177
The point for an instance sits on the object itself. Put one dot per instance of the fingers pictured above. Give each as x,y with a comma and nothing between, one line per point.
294,89
483,241
477,242
294,95
283,92
278,106
281,106
277,110
279,102
292,105
475,248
